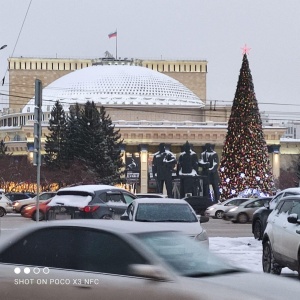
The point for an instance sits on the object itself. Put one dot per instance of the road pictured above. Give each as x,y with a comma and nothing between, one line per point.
214,227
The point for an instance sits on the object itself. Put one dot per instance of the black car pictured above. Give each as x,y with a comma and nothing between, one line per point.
14,196
260,216
89,202
199,203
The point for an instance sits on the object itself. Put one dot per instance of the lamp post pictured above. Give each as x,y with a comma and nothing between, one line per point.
4,46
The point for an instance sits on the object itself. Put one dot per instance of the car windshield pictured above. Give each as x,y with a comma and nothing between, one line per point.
164,212
184,255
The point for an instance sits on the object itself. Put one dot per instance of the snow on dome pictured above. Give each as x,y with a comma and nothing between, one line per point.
116,85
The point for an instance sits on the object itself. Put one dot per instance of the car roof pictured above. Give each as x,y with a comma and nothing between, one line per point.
90,188
236,198
160,200
293,189
114,226
254,199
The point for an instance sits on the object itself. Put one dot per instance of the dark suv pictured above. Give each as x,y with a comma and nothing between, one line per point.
89,202
260,216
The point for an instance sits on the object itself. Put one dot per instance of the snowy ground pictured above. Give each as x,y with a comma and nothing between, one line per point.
243,252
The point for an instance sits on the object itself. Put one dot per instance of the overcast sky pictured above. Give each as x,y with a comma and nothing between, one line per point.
214,30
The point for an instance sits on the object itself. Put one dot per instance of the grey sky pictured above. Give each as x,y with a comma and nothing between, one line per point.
214,30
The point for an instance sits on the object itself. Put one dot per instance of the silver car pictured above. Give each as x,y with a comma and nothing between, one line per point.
21,204
244,212
217,210
281,239
110,259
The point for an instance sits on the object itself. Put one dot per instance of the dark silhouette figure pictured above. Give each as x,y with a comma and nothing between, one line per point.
187,170
209,162
162,168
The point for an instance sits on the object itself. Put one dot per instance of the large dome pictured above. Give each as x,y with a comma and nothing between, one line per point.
117,85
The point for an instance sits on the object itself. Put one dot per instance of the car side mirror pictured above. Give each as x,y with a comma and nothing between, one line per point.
124,217
203,219
266,205
293,218
149,271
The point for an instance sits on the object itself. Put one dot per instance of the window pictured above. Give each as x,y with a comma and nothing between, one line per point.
73,248
286,206
295,209
128,198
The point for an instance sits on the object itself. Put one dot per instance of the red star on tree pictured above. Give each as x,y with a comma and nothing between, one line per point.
246,49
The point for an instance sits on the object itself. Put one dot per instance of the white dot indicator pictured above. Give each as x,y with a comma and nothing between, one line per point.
46,270
36,270
26,270
17,270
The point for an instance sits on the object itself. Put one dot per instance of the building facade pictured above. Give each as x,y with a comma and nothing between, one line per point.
142,126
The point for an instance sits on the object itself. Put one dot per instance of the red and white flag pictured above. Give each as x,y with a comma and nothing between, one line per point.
113,34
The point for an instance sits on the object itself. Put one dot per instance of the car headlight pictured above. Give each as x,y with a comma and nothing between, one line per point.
210,208
233,209
201,236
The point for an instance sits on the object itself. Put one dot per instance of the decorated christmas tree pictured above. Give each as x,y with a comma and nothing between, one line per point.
245,164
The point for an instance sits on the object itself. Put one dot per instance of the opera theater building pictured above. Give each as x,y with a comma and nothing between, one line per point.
149,101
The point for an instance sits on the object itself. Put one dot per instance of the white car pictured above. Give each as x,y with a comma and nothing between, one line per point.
217,210
281,239
5,204
150,195
111,259
170,214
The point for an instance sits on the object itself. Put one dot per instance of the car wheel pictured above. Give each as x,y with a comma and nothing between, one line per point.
2,212
242,218
268,261
219,214
257,230
41,216
107,217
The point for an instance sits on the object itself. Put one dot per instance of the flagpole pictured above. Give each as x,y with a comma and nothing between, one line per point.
116,44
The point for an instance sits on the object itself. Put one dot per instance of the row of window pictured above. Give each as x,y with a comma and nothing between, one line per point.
176,68
21,120
61,66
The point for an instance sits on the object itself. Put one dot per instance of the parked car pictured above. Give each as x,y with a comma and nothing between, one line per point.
244,212
281,239
19,205
173,214
150,195
89,202
199,203
260,216
30,210
88,259
5,204
14,196
217,210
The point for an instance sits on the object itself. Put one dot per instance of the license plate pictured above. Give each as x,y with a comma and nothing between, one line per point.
62,217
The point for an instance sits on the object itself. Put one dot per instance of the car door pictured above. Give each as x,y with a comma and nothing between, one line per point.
291,234
278,221
115,202
253,206
77,263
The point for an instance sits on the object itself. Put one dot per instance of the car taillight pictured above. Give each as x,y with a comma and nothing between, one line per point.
89,209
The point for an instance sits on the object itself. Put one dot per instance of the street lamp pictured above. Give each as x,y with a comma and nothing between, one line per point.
4,46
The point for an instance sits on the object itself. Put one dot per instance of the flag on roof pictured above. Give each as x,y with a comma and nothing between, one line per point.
113,34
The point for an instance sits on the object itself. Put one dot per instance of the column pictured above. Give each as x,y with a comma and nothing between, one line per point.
144,168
